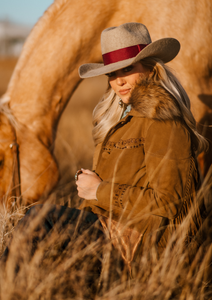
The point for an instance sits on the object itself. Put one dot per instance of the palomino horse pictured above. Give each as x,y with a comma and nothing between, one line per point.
67,36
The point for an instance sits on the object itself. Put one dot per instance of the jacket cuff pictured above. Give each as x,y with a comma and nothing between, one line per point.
111,194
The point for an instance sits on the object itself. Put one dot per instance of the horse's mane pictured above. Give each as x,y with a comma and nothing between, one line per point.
5,109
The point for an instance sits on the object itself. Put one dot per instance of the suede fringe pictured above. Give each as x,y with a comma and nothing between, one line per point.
190,201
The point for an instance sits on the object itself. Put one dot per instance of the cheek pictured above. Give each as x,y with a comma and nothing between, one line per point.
113,84
134,79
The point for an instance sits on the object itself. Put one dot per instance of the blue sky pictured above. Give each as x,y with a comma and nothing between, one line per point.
23,11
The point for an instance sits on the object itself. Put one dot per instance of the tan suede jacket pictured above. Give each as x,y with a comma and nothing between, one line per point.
147,166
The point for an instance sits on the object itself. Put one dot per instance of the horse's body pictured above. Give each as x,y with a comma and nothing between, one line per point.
67,36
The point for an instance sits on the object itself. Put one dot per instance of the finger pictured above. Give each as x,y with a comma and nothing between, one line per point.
82,179
86,171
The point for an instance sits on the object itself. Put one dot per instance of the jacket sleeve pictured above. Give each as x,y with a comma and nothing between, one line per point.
168,161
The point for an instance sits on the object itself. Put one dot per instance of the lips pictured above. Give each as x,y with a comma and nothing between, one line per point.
124,91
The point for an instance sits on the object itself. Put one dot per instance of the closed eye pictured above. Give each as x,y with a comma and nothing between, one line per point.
124,70
112,74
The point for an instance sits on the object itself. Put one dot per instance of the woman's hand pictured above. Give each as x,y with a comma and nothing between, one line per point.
87,184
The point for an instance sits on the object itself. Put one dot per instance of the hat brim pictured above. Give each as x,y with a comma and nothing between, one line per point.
165,49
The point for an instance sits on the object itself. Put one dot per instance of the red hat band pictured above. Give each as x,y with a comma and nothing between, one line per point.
122,54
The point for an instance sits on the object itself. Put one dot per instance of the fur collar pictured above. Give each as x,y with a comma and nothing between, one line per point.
152,101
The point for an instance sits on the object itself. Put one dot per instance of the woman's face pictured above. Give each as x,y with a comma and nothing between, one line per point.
124,80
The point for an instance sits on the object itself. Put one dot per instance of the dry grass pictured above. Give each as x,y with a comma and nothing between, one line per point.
88,268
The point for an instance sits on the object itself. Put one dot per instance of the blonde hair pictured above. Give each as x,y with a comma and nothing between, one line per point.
107,112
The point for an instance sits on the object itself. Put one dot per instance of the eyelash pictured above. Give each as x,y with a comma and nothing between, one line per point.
128,69
110,74
125,70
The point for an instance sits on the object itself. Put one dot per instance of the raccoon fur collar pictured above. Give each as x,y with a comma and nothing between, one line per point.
153,101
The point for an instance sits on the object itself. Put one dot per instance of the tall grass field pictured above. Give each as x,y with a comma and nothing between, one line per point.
66,265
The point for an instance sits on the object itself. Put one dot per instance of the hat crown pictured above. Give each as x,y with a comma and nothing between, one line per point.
125,35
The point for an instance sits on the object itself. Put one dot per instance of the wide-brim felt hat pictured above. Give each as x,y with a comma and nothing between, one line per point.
127,44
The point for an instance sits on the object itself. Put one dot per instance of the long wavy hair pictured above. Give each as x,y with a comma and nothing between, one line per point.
108,112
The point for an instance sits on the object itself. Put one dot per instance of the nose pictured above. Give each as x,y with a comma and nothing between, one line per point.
120,80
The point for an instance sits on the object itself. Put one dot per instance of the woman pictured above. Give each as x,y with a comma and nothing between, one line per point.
144,169
145,173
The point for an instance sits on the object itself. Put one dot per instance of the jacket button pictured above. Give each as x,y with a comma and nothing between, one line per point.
105,154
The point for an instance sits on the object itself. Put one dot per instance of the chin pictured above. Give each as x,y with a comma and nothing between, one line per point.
125,101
